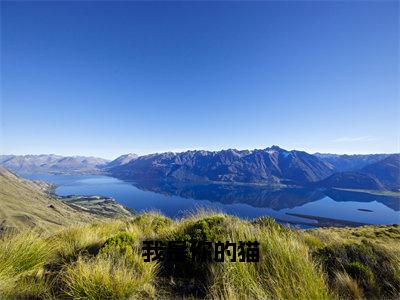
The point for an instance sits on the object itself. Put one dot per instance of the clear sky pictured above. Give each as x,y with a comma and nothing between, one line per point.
107,78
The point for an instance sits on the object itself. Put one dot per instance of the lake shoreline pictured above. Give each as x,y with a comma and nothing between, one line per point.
177,199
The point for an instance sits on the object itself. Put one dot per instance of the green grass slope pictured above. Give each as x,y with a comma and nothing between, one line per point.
23,204
103,261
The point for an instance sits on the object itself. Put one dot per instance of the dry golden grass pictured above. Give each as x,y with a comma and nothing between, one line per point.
103,261
23,205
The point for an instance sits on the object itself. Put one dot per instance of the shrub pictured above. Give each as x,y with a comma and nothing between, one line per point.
191,277
121,243
152,223
361,273
206,229
364,262
269,223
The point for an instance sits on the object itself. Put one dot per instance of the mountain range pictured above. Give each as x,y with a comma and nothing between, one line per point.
268,166
51,163
345,162
271,166
380,175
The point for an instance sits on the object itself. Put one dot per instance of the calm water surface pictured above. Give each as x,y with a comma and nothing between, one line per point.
177,199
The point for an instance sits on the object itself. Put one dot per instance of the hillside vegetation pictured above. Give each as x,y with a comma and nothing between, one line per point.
27,204
23,204
103,260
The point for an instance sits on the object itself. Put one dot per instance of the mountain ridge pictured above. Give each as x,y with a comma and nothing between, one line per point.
351,162
271,166
52,163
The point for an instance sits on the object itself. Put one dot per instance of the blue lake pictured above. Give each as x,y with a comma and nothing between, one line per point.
176,199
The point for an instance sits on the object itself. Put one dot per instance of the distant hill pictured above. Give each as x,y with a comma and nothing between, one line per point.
121,160
386,170
50,163
269,166
347,162
352,180
381,175
24,204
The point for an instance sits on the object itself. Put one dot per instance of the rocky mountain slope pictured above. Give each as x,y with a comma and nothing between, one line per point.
386,170
345,162
121,160
352,180
381,175
269,166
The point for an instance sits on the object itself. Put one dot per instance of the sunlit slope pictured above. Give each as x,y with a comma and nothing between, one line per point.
23,204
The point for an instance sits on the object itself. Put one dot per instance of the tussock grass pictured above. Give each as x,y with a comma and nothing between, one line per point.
359,262
285,270
103,261
109,277
347,287
21,255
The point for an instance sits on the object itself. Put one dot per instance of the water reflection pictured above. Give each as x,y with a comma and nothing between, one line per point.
392,202
298,205
261,196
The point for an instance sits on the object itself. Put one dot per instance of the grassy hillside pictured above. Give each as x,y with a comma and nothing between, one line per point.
27,204
103,261
23,204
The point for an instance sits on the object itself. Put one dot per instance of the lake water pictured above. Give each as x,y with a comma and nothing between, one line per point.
176,199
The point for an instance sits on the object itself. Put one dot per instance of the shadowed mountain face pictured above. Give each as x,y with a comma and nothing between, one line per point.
352,180
52,164
270,166
387,170
342,163
382,175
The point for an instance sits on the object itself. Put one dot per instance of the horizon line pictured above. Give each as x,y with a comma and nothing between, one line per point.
192,150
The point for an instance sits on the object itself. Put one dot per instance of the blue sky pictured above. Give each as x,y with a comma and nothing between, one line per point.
107,78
